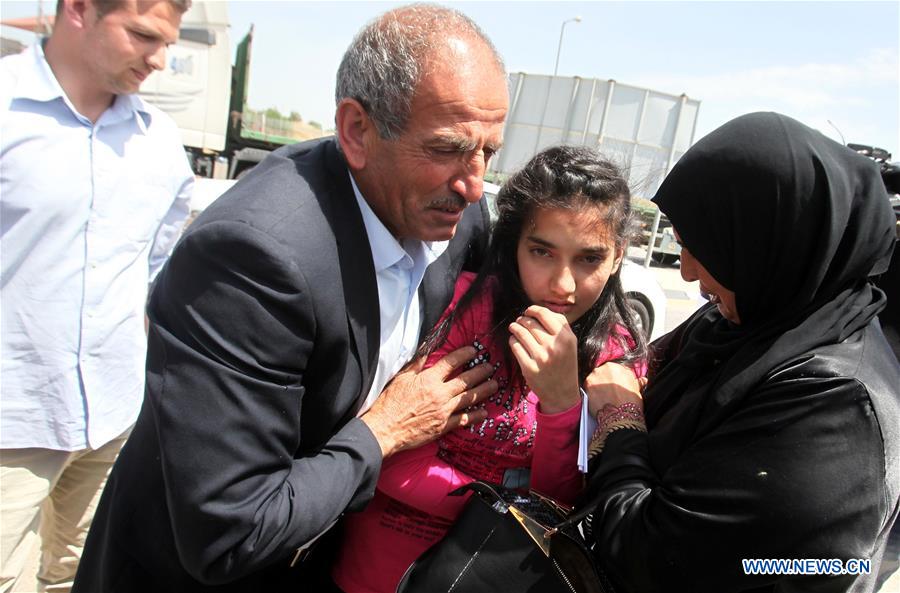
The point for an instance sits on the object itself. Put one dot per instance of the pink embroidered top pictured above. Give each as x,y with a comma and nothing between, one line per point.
411,509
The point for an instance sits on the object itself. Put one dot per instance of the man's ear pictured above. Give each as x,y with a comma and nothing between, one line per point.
76,12
354,130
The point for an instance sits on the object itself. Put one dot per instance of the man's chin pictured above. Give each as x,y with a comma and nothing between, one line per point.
439,225
125,88
434,234
443,237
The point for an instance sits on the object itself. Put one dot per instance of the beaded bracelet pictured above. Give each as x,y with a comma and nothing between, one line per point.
611,418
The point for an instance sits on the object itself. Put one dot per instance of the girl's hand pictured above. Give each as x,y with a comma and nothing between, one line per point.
547,352
613,384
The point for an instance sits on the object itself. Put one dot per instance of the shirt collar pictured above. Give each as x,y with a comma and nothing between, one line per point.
386,250
128,106
435,249
38,83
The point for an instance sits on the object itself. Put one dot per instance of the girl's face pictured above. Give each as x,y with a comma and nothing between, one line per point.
565,258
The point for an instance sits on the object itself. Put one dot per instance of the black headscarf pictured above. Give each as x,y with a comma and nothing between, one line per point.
794,224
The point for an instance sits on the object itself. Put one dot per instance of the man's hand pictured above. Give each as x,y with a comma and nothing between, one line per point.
418,405
613,384
547,352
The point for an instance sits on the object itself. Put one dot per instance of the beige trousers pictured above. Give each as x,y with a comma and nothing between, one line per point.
47,501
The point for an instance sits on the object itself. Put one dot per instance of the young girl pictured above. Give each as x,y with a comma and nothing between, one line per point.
545,310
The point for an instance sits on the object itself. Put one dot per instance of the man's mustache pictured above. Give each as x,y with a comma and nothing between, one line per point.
452,202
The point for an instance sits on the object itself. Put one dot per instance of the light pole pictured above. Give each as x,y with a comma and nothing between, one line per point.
562,30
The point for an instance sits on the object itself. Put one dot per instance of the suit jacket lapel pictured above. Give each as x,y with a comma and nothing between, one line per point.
466,248
435,285
357,271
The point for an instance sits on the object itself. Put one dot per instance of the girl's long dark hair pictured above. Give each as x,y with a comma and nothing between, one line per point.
562,177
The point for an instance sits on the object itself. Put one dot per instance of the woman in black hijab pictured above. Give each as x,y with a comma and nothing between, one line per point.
773,413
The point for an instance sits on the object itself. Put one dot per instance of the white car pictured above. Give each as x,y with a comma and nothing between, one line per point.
207,190
645,296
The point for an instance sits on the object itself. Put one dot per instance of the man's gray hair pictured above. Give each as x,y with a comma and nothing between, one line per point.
385,62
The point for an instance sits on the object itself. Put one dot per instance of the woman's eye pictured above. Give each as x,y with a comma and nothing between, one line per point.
540,252
592,260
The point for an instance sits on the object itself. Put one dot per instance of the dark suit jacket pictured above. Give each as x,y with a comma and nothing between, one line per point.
264,334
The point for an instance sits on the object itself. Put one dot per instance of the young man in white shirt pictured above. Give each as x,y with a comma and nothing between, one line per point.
95,190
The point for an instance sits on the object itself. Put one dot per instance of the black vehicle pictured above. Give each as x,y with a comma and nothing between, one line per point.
890,172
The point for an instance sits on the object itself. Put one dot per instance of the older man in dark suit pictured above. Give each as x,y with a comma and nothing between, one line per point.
286,309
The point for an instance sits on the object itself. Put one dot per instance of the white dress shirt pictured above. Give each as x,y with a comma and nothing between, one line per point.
399,269
89,213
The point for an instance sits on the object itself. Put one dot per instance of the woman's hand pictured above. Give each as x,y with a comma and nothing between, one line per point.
613,384
547,352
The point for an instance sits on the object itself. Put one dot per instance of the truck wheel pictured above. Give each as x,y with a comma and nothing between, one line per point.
247,158
244,172
641,315
664,259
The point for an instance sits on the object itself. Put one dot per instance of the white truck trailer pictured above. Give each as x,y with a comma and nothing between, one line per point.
207,97
643,130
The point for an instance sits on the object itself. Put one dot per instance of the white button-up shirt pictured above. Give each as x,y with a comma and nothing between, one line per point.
89,213
399,269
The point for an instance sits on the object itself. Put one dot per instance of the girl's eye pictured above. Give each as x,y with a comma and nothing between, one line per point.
592,260
540,252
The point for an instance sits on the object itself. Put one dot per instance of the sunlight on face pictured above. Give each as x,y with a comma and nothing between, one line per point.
565,259
129,43
710,288
421,182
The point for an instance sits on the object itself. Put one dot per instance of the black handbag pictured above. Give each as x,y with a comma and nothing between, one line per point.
506,541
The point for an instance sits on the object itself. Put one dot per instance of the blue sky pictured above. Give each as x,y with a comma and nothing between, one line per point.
815,61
